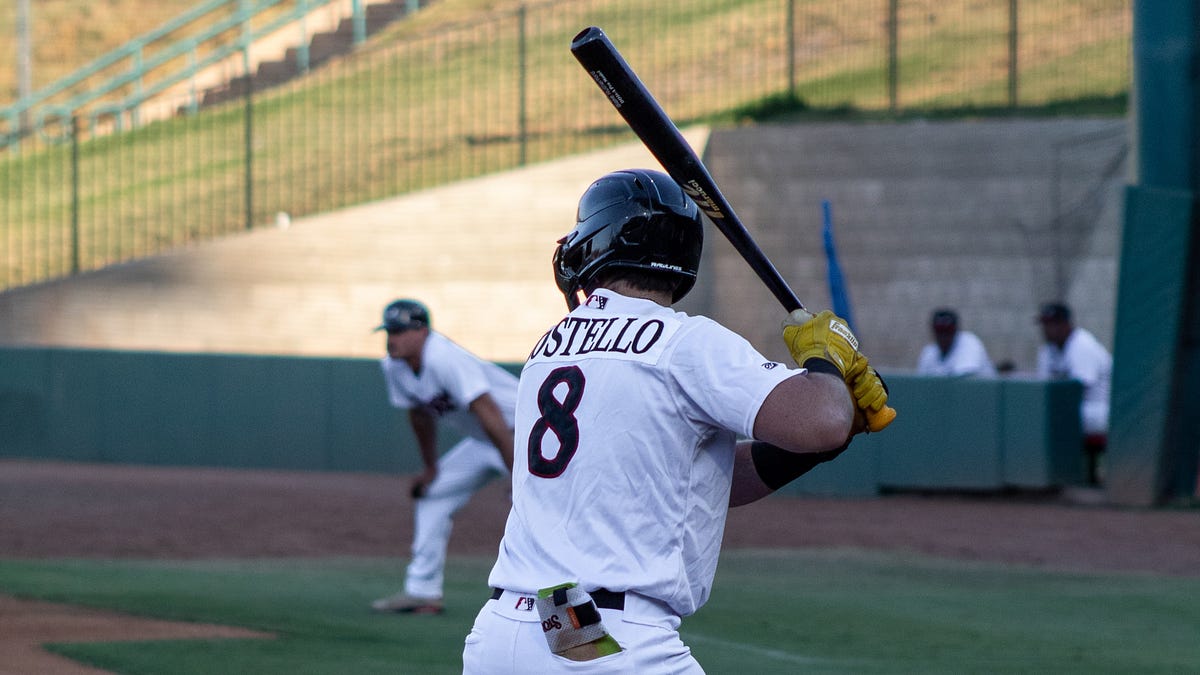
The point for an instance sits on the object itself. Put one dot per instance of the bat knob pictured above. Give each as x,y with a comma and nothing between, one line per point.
877,420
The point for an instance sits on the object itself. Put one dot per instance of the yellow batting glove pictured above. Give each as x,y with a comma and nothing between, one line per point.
827,336
871,397
823,336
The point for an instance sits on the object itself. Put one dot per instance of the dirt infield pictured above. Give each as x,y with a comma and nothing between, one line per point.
28,624
105,511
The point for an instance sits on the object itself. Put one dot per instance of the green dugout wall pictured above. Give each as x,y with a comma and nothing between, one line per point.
200,410
963,434
1153,439
325,414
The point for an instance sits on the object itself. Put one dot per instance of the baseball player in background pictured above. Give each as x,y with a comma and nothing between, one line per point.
436,380
627,453
953,352
1073,352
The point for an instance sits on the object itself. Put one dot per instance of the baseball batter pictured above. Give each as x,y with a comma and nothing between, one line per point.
627,451
437,381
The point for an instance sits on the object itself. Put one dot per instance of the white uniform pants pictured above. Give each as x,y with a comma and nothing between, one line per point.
462,471
507,639
1094,415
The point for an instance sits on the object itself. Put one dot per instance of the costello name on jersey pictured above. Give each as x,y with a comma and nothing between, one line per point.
630,338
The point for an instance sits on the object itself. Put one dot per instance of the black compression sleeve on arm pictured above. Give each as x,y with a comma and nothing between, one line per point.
819,365
777,467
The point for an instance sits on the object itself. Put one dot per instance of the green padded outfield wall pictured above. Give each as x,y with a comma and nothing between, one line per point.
201,410
324,414
963,434
1153,440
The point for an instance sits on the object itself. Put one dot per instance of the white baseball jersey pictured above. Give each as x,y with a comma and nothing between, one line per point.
967,356
450,378
627,416
1082,358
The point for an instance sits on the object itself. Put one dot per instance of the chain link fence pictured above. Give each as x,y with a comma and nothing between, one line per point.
410,110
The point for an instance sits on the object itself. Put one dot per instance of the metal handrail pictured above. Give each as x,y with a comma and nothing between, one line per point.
40,111
111,58
181,49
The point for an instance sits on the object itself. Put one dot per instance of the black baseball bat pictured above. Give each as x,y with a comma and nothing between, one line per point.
661,137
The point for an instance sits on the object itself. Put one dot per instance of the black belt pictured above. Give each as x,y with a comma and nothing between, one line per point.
604,598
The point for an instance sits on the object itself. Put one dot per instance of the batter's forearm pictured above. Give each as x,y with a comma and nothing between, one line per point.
747,486
761,468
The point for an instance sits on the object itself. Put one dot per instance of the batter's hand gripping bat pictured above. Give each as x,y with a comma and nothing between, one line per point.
661,137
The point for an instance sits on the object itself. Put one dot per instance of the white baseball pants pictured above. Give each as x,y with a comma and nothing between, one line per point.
462,471
507,640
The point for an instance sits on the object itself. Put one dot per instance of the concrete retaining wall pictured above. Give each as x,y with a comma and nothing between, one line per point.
991,217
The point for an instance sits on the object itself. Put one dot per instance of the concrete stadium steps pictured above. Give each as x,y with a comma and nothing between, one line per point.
327,45
323,46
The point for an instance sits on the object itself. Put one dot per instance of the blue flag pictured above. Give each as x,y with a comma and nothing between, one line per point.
837,285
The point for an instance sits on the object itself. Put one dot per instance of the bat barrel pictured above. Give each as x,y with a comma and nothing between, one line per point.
641,111
587,35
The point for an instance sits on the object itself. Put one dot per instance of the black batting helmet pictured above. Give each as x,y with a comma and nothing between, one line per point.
403,315
636,219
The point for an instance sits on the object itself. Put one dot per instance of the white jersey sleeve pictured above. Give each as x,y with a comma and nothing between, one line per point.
723,378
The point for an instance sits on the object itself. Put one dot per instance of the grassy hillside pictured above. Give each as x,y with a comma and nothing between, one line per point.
69,34
447,96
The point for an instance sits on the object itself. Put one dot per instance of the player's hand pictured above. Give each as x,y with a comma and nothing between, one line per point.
823,336
421,483
826,336
870,398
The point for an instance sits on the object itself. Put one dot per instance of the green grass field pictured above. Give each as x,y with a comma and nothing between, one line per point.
771,612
